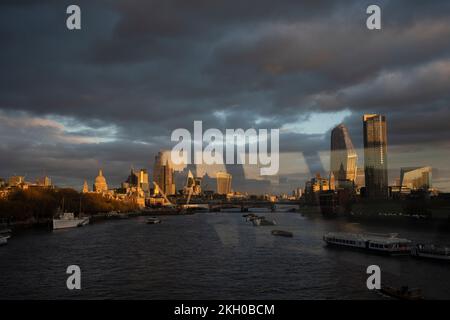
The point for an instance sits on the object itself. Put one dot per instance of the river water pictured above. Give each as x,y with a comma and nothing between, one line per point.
211,256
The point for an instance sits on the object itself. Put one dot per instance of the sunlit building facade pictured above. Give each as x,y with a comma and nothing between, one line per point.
417,178
375,156
143,180
223,182
317,185
163,175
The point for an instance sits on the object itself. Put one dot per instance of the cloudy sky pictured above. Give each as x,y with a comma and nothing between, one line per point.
110,95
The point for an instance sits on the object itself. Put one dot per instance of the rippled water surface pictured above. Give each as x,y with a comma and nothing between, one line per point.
210,256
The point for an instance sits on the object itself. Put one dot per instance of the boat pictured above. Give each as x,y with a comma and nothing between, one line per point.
282,233
403,293
431,252
252,217
5,233
153,220
262,221
68,220
112,214
380,243
3,240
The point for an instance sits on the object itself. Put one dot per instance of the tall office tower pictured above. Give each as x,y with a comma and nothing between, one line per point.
375,156
143,180
223,182
343,158
163,174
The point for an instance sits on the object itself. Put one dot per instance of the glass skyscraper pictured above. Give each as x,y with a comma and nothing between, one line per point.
223,182
375,156
343,158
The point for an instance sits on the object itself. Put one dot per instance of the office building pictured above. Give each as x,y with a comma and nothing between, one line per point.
223,182
163,174
375,156
343,157
417,178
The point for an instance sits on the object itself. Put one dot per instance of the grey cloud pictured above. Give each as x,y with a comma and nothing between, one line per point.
143,68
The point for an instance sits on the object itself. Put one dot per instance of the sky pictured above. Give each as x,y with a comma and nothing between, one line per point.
109,95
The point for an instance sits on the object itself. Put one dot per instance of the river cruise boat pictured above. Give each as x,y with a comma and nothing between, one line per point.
381,243
431,252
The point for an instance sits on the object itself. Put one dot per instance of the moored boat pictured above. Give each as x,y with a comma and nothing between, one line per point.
381,243
68,220
403,293
431,252
282,233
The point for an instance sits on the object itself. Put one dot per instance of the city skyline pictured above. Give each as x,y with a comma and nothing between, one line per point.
112,94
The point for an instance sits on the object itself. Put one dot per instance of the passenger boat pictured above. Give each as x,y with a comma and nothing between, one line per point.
381,243
404,293
282,233
3,240
5,233
431,252
153,220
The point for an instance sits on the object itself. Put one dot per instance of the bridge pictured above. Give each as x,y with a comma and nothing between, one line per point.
245,205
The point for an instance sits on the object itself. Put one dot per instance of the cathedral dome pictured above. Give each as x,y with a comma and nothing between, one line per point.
100,182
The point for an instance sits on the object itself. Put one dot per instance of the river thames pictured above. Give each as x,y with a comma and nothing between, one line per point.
211,256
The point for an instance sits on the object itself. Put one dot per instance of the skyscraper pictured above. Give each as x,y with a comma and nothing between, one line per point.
343,158
223,182
375,156
163,174
416,178
143,180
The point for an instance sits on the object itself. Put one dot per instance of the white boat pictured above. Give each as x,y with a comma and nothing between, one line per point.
381,243
3,240
5,233
153,220
68,220
431,252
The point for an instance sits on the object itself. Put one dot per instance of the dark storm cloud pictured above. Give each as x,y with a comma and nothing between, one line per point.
139,69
